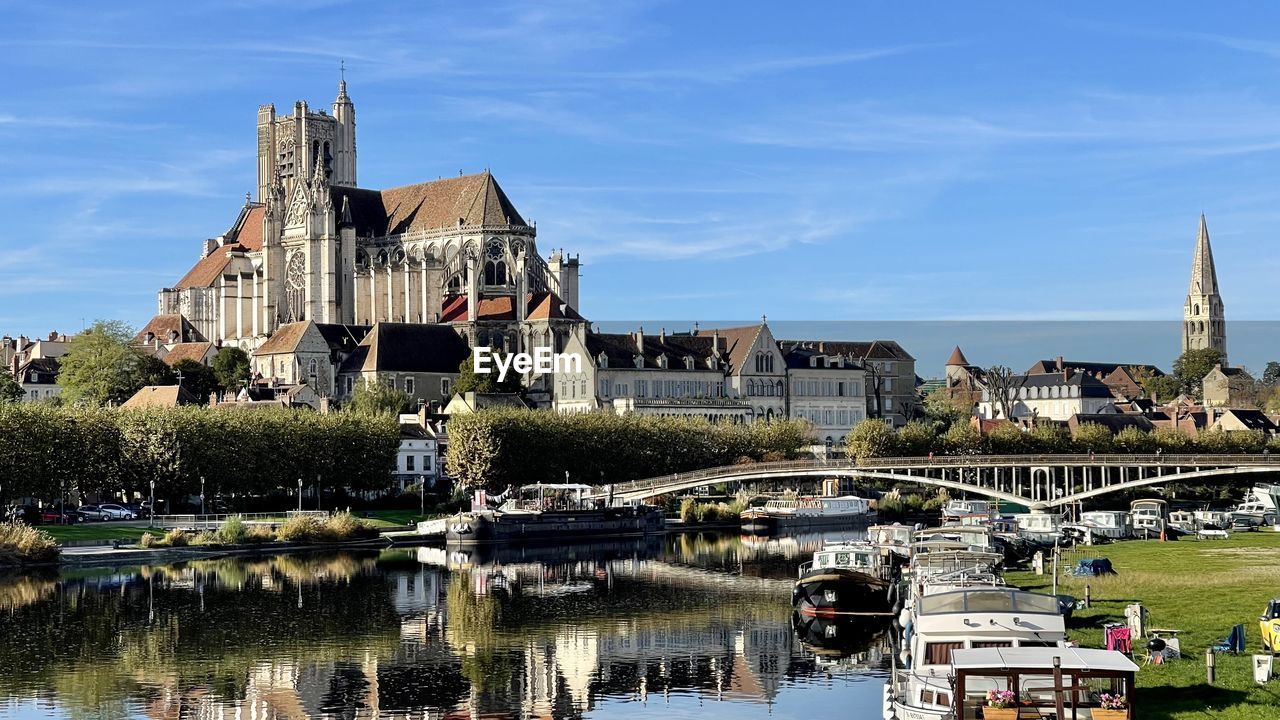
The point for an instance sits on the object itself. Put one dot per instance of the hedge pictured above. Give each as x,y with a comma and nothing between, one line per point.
50,450
496,448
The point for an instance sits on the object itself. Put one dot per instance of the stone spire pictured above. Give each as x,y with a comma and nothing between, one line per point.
1204,278
1203,321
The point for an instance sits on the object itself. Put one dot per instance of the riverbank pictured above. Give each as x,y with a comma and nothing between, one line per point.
128,555
1201,588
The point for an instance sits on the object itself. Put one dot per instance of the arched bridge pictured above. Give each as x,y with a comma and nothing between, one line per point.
1037,481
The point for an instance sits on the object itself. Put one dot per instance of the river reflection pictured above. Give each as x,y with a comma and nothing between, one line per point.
678,626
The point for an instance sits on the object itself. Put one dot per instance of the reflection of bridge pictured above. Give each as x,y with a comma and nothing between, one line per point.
1040,481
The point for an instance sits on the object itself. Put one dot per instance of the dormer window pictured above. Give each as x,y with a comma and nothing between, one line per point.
688,362
602,360
662,361
639,360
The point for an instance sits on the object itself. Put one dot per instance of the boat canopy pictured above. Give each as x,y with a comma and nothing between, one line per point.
988,600
557,486
1041,658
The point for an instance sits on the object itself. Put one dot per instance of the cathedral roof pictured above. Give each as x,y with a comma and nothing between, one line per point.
409,347
471,200
544,305
621,349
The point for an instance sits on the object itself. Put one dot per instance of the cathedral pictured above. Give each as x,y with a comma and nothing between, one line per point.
315,247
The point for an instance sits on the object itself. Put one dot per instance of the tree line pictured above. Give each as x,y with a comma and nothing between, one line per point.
51,451
496,448
918,438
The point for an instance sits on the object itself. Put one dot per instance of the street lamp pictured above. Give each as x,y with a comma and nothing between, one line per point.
151,516
201,494
299,494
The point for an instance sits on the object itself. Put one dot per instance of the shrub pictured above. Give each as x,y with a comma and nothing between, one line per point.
232,531
345,526
21,544
206,537
176,538
258,534
299,528
147,540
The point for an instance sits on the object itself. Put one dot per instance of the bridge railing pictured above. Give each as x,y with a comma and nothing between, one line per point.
944,461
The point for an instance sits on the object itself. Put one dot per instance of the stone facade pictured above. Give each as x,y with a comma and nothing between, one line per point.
1227,387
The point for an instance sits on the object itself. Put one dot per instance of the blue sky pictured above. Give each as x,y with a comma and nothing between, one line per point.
812,161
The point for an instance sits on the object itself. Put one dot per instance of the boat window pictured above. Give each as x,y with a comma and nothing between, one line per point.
1037,643
992,644
940,653
926,697
942,699
980,601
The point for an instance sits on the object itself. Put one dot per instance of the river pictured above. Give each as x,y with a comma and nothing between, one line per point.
681,626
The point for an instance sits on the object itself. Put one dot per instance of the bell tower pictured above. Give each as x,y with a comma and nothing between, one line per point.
1203,322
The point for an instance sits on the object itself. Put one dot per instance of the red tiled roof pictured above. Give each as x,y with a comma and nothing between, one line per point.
284,339
194,351
958,358
161,326
540,306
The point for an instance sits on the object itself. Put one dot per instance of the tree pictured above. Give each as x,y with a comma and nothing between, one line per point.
871,438
230,367
375,398
948,406
1161,388
471,381
199,379
100,366
10,390
1271,373
1192,365
1002,385
151,370
1093,438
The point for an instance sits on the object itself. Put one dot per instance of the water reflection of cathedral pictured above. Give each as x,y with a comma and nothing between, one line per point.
364,637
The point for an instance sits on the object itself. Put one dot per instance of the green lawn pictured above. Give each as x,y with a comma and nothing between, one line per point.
1201,588
93,531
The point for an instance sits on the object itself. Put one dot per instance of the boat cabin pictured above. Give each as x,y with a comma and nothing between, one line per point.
960,508
860,557
1147,515
1047,681
895,535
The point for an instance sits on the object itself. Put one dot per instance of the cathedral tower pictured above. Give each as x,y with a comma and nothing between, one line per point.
1203,324
291,147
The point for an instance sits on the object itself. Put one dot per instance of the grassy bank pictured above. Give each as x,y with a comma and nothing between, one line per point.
1201,588
89,531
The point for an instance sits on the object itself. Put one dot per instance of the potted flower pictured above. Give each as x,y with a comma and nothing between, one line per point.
1111,707
1001,705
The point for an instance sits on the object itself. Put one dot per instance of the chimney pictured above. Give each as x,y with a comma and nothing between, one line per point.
662,335
640,340
715,342
1058,364
22,342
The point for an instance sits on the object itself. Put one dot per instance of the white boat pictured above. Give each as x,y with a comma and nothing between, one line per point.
1147,517
941,623
955,509
1039,526
1042,679
977,537
806,512
1112,524
1259,506
895,538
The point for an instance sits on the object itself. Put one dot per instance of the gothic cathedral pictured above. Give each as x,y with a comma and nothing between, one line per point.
315,246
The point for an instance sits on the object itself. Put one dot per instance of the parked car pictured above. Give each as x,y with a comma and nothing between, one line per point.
141,511
56,516
117,512
92,512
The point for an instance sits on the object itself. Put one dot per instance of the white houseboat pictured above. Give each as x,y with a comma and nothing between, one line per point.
1147,517
846,510
1039,526
1112,524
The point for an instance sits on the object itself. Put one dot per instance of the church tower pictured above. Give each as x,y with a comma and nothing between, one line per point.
1203,324
291,147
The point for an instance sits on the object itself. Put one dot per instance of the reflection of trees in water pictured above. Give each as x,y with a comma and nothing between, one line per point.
166,634
22,589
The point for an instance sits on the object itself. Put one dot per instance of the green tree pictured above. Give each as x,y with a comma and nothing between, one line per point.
947,406
230,367
471,381
1094,438
100,366
962,439
1134,440
375,398
1008,439
1271,373
199,379
871,438
151,370
916,438
1191,367
1161,388
10,390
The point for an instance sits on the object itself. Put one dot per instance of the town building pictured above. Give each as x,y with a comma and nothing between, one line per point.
1049,396
1228,387
421,360
828,389
420,455
1124,379
35,364
1203,322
